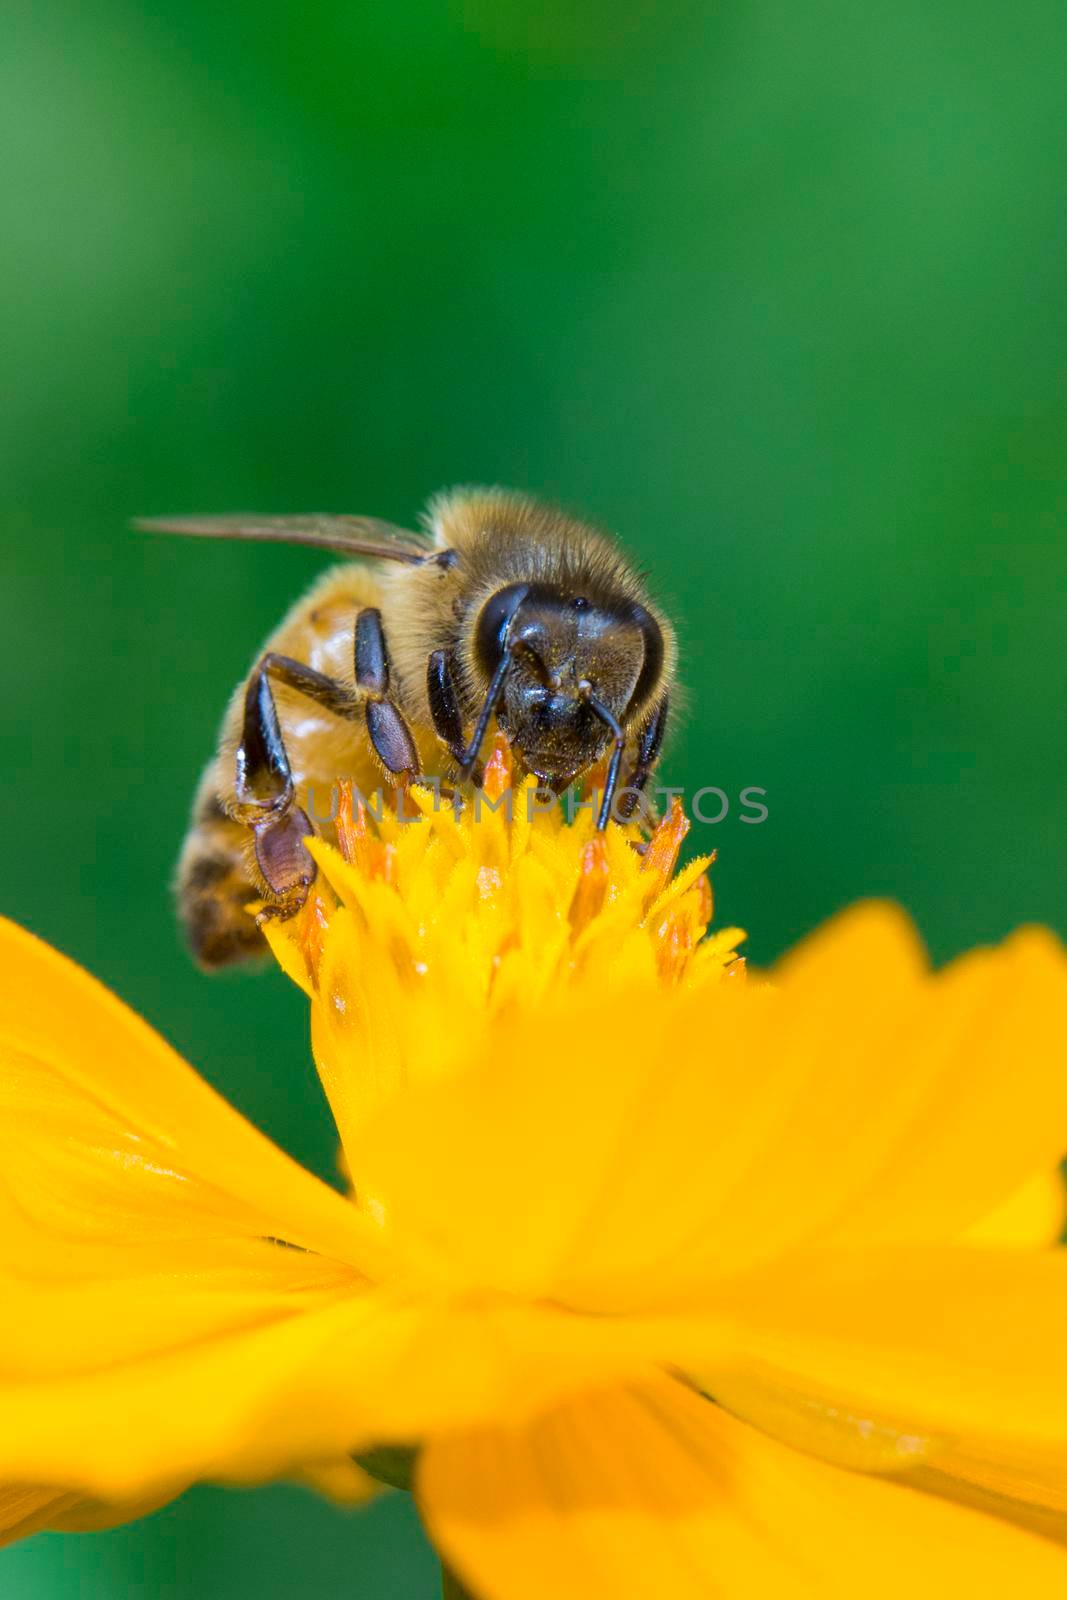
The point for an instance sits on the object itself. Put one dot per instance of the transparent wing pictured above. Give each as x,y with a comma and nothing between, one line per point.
351,536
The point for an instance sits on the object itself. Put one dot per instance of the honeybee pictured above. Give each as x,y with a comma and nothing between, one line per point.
397,662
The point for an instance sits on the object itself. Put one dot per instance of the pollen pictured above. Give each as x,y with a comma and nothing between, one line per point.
511,881
452,921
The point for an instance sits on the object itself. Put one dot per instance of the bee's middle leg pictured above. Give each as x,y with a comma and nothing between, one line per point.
264,781
386,727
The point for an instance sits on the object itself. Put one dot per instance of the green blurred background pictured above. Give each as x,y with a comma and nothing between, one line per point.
775,290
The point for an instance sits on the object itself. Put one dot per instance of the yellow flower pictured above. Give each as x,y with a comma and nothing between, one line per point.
682,1285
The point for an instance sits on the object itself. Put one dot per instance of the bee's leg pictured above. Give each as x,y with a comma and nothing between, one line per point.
444,704
389,733
585,690
649,744
264,781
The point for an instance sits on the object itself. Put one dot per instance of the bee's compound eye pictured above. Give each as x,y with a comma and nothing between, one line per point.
491,629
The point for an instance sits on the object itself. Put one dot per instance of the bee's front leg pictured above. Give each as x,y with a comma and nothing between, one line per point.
445,710
264,780
649,744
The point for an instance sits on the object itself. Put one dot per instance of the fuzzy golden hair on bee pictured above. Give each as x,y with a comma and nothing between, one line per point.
394,667
500,533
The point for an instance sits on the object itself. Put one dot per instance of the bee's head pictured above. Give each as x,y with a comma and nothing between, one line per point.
566,659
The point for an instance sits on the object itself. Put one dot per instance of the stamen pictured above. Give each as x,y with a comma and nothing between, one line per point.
498,769
661,857
358,845
592,885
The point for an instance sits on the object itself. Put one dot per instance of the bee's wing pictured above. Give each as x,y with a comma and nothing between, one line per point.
351,536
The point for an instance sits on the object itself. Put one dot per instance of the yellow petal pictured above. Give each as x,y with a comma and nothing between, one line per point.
657,1492
26,1509
1034,1215
140,1220
267,1400
871,948
899,1105
114,1151
967,1091
632,1145
1027,1486
944,1356
340,1479
212,1292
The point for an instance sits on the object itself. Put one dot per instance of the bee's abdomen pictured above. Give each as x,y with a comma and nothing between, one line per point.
213,885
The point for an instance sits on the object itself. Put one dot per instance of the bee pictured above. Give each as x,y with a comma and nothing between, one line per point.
396,663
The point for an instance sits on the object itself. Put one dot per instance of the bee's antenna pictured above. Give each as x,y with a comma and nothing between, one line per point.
492,700
585,691
495,690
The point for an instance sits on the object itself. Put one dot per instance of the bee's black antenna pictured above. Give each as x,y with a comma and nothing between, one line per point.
496,685
492,699
585,689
